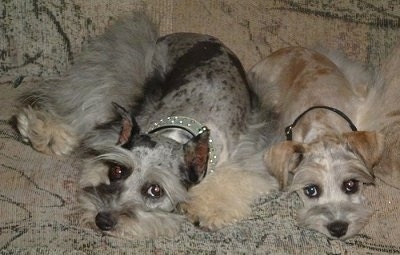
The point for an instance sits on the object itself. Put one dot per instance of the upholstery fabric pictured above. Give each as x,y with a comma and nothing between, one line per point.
39,39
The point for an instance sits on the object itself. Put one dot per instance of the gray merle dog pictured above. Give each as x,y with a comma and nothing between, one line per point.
162,126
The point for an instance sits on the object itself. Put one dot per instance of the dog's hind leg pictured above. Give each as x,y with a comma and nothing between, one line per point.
112,69
45,132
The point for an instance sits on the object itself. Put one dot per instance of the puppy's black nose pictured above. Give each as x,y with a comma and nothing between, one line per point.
338,228
105,221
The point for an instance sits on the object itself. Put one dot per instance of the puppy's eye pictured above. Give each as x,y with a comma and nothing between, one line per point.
117,172
152,191
350,186
312,191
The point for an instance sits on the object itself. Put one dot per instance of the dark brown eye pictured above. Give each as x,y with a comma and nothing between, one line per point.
350,186
312,191
117,172
152,191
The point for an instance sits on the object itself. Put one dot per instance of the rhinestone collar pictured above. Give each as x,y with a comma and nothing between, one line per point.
191,126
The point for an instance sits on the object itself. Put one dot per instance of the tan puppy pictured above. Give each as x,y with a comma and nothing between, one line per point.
325,160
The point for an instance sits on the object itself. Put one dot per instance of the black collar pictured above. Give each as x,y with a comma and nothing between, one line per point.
288,129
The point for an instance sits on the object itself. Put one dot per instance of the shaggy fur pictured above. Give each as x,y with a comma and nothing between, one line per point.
381,112
325,163
132,181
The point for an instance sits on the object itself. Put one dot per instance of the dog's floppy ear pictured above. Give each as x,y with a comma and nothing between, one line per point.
366,144
282,159
196,153
129,126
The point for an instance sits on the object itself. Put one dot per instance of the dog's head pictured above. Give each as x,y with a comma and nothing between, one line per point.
132,188
328,175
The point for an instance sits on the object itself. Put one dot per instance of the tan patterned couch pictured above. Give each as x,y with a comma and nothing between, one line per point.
39,39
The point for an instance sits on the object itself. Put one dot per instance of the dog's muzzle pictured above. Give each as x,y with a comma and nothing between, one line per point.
105,221
337,228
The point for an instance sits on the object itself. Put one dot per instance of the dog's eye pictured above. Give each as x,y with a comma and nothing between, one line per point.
350,186
117,172
312,191
152,191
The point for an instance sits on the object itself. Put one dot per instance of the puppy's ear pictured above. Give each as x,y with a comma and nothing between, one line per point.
196,157
129,126
282,159
366,144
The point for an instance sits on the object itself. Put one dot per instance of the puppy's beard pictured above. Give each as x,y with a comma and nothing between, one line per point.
138,224
319,217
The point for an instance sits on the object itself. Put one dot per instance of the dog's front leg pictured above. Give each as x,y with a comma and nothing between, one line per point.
225,196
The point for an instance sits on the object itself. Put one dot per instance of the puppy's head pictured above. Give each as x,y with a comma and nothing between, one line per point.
328,175
132,188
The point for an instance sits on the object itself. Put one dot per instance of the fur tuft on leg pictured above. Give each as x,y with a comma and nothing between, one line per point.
227,197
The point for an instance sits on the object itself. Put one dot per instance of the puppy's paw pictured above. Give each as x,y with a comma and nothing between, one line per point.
225,196
218,200
44,132
211,211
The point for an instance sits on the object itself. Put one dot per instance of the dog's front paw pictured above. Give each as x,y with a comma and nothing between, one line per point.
225,196
211,211
44,132
214,203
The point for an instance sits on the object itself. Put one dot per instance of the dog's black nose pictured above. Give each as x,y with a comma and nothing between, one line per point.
105,221
338,228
